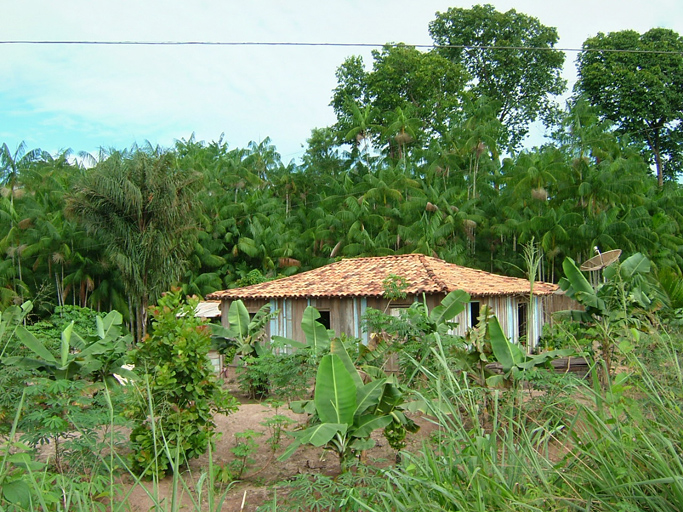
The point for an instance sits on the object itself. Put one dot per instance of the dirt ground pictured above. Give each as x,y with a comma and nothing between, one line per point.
256,486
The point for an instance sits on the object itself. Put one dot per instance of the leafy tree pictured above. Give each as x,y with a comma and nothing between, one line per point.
141,205
403,80
639,90
523,81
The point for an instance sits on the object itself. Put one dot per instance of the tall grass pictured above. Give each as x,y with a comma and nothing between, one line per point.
587,448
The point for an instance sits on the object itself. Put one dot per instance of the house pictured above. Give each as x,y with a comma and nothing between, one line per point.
342,291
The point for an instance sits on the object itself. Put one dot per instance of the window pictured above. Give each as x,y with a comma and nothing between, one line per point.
474,314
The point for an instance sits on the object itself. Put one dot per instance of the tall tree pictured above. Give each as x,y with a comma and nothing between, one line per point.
402,77
492,46
140,204
636,82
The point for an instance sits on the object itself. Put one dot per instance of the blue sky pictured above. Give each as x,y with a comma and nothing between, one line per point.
85,97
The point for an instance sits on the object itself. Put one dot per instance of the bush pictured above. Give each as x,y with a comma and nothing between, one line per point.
284,376
175,403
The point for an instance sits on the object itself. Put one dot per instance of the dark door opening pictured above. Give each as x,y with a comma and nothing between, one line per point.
324,319
474,314
522,315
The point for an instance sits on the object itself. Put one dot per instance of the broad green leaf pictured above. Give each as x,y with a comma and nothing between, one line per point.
24,460
575,281
289,451
335,391
281,341
495,381
321,434
100,327
368,423
316,334
17,492
391,398
301,406
66,343
98,347
507,354
35,345
220,331
368,396
544,357
451,306
337,348
112,319
238,316
359,444
636,264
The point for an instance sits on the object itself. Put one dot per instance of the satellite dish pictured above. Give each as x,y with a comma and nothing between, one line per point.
600,261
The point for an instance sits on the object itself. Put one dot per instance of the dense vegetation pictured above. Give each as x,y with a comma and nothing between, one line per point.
426,156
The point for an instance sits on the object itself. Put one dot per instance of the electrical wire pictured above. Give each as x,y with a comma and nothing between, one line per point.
321,44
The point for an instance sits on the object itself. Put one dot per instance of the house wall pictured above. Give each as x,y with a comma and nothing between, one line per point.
346,313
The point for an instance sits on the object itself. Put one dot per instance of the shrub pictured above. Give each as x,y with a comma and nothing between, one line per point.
174,406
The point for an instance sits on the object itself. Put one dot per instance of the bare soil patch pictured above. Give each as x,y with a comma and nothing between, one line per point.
256,486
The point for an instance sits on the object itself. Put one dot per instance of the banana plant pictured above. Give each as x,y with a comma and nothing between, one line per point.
345,410
10,319
512,358
244,333
98,357
317,337
611,307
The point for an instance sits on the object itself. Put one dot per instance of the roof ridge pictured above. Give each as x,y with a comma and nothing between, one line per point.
432,274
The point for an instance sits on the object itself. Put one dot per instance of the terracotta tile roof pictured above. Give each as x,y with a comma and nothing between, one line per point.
362,277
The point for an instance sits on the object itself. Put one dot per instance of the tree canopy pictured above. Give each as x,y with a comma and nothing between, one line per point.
510,59
140,205
636,82
418,161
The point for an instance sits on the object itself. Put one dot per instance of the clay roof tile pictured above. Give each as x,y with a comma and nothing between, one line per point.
364,277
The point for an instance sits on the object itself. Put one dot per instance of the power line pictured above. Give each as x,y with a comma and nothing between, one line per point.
319,44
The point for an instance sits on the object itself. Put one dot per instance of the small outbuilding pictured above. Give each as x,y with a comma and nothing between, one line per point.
343,291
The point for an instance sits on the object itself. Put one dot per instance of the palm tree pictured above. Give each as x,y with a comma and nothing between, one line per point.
140,205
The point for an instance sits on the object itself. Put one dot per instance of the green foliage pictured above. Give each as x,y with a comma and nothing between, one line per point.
179,394
244,334
637,90
280,375
141,205
408,93
615,306
245,447
411,334
320,493
571,448
50,330
345,409
246,337
253,277
278,371
97,357
277,426
522,81
64,393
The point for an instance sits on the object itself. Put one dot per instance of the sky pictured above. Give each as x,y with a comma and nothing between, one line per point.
83,97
